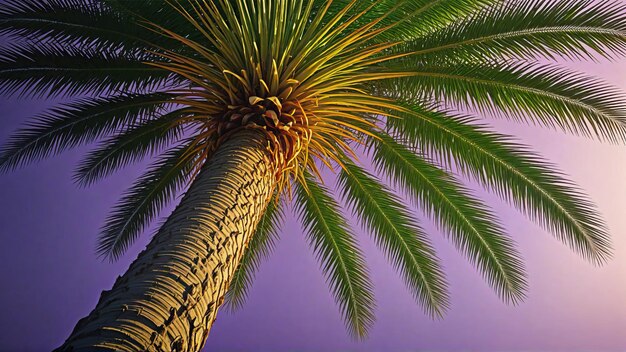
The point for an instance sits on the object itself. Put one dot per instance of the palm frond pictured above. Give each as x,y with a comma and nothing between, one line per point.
143,201
513,171
138,141
53,70
87,24
414,18
526,29
540,94
397,234
260,246
341,260
75,124
136,14
471,225
410,18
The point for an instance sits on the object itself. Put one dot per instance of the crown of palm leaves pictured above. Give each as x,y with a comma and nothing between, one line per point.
319,78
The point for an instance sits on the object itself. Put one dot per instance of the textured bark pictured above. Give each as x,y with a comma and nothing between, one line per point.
168,298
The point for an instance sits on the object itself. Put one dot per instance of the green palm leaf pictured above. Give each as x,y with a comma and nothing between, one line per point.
135,15
513,171
75,124
85,22
143,201
341,261
541,94
397,234
527,29
102,25
472,227
411,18
146,138
52,70
417,17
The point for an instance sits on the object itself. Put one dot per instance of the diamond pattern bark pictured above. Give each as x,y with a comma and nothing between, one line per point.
169,297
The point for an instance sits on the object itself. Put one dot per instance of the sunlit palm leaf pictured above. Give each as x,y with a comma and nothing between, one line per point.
533,93
470,224
527,29
341,260
513,171
398,235
418,17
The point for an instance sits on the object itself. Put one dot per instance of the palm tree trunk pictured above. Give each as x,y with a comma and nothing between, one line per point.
168,298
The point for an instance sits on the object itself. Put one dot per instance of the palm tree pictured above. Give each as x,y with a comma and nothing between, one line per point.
242,103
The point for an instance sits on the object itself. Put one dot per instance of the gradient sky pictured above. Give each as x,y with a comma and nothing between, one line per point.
51,277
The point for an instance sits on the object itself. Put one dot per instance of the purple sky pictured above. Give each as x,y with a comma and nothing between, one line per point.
51,277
